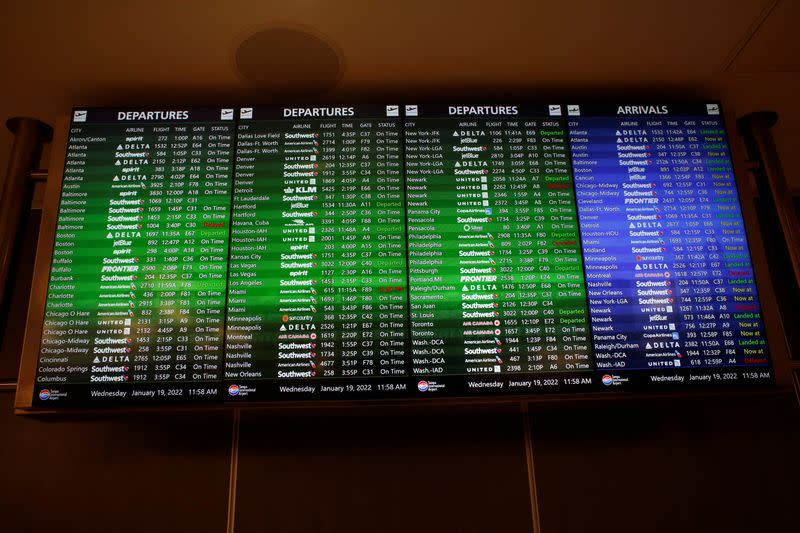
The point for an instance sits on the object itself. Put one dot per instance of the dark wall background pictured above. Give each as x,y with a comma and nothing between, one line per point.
689,465
697,464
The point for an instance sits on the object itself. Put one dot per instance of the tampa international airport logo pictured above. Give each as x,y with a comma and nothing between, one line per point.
51,395
426,385
240,391
613,379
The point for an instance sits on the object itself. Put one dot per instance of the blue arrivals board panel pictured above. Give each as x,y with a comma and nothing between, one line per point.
341,252
669,277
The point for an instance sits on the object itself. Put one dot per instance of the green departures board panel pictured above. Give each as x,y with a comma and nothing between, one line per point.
373,251
493,246
136,301
318,275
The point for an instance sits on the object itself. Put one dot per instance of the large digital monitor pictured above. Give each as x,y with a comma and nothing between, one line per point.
345,252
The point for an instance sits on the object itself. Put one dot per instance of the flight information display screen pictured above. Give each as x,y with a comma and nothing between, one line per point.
397,251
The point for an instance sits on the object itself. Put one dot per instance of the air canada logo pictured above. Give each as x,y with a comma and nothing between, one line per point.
233,390
44,394
608,380
422,386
